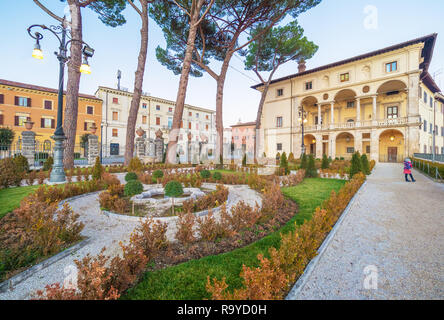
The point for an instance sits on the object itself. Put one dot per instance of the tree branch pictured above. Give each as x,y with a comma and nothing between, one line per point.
135,7
183,9
207,69
49,12
86,3
205,13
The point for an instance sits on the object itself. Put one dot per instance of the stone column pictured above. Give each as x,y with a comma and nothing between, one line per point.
374,120
358,112
332,145
159,146
358,141
28,146
93,148
319,144
140,147
332,120
374,145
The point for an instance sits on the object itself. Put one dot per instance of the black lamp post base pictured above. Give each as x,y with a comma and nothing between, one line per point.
58,172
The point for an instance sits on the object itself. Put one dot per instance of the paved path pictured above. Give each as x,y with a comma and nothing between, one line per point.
397,227
103,231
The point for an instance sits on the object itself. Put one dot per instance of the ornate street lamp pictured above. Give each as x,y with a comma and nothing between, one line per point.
61,33
302,120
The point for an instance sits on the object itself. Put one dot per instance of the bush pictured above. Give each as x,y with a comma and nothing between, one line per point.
131,176
303,161
158,174
47,165
9,174
311,171
356,166
132,188
244,160
21,163
173,189
365,164
6,137
284,164
217,176
135,165
325,162
205,174
97,170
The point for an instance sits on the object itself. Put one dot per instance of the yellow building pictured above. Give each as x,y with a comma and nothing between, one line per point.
20,102
384,104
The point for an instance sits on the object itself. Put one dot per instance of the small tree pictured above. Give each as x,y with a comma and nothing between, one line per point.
284,163
97,170
132,188
291,157
325,163
173,189
158,174
356,166
22,164
47,165
365,164
311,171
135,165
205,174
244,160
131,176
6,138
304,161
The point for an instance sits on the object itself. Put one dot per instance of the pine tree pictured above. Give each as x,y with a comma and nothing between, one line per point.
365,164
304,161
325,163
311,171
284,163
355,164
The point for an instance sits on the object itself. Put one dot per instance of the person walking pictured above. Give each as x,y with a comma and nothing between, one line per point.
408,170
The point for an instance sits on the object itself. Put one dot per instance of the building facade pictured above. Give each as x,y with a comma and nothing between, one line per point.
384,104
20,102
154,114
244,137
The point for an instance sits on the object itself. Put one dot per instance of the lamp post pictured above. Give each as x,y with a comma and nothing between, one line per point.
61,33
189,136
302,120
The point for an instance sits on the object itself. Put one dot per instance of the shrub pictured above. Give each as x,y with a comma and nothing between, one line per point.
244,160
311,171
97,170
217,176
30,179
150,236
41,177
9,174
109,179
355,164
47,165
365,165
284,163
291,157
303,161
132,188
158,174
6,137
131,176
22,164
205,174
135,165
185,228
173,189
210,229
325,163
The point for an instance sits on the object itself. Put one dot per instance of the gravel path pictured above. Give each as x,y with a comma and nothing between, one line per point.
395,226
102,231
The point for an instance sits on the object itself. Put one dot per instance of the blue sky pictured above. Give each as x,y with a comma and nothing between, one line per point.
336,26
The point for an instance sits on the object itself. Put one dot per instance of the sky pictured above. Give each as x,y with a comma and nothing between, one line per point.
341,28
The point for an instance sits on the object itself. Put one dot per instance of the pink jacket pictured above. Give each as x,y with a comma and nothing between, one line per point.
407,167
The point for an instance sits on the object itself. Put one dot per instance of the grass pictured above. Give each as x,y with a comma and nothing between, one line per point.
187,280
10,198
226,171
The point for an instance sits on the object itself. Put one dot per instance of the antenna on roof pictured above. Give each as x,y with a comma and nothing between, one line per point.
119,76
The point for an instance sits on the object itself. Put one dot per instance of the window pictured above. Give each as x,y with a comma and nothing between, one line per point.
309,85
189,125
197,115
22,102
2,99
279,122
350,104
431,128
431,102
89,110
367,149
197,126
280,92
157,107
442,131
207,117
425,97
143,105
115,100
425,149
87,125
157,121
420,92
181,123
350,150
190,114
47,123
206,127
115,116
19,121
48,104
392,66
115,133
345,77
143,119
170,109
392,112
436,130
425,125
1,119
170,122
279,147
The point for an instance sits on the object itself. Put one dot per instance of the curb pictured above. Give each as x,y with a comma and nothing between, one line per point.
18,278
303,279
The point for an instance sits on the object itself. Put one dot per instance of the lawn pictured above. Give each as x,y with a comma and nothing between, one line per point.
10,198
187,280
226,171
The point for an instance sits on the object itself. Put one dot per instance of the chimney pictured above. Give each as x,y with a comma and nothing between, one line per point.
301,66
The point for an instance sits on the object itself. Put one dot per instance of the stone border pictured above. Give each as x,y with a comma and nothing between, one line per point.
303,279
18,278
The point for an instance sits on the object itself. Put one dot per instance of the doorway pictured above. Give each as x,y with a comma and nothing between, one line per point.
392,153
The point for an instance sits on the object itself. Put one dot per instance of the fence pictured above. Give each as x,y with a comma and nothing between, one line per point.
429,156
433,170
42,152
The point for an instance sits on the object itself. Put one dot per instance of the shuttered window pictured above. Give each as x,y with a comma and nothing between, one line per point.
1,119
89,110
48,104
2,99
22,101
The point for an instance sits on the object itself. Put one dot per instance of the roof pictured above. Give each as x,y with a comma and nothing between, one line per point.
39,88
428,81
128,93
245,124
427,52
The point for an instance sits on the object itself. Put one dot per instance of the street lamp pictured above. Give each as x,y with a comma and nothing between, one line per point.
60,32
302,120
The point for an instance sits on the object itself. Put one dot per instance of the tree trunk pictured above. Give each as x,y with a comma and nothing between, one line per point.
259,117
138,82
219,106
73,83
183,84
